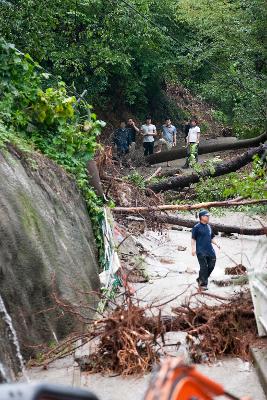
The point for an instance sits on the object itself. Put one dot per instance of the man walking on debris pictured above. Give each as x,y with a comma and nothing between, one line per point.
202,239
168,138
133,131
148,131
122,140
192,141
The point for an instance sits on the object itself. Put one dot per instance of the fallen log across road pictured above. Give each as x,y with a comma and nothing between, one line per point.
188,207
177,154
188,223
173,220
222,168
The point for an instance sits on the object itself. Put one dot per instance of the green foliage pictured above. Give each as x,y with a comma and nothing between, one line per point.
33,115
248,185
52,106
137,179
101,45
225,62
217,49
219,116
253,185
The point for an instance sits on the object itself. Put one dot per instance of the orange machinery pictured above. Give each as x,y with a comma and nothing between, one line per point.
177,381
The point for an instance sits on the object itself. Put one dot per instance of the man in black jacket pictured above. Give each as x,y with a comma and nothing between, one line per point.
122,140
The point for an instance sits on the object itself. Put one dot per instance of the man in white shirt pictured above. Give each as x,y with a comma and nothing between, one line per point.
148,131
192,142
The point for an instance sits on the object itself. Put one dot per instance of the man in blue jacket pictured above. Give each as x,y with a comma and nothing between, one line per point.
202,240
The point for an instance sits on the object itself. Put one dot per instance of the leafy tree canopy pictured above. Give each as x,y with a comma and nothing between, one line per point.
123,52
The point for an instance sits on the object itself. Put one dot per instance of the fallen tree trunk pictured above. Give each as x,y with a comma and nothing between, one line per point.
188,223
173,220
179,182
171,172
206,148
188,207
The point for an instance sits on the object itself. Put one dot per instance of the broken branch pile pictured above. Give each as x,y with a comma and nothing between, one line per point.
129,341
236,270
126,340
214,331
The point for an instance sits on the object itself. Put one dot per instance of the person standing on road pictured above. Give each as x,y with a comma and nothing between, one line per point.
192,142
202,240
122,141
148,131
168,136
133,130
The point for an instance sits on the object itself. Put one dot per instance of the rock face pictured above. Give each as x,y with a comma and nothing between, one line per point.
47,252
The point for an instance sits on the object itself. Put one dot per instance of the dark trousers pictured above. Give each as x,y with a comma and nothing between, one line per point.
148,148
122,151
207,264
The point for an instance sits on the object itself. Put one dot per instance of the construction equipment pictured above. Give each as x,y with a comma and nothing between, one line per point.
177,381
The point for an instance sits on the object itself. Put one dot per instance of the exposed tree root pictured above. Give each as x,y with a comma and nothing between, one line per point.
213,331
128,340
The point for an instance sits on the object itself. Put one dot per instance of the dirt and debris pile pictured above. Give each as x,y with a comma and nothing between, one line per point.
222,283
236,270
220,330
124,186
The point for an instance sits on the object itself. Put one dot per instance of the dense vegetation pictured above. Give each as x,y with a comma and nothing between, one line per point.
35,115
124,52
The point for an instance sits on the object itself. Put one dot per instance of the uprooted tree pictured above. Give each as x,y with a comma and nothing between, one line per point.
205,149
130,338
222,168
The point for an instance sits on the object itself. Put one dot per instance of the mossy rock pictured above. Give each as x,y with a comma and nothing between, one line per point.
47,248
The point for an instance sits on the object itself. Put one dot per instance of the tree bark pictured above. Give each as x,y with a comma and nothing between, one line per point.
188,207
206,148
172,220
222,168
188,223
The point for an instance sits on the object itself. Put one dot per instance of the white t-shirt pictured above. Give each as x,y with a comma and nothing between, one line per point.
148,130
192,134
